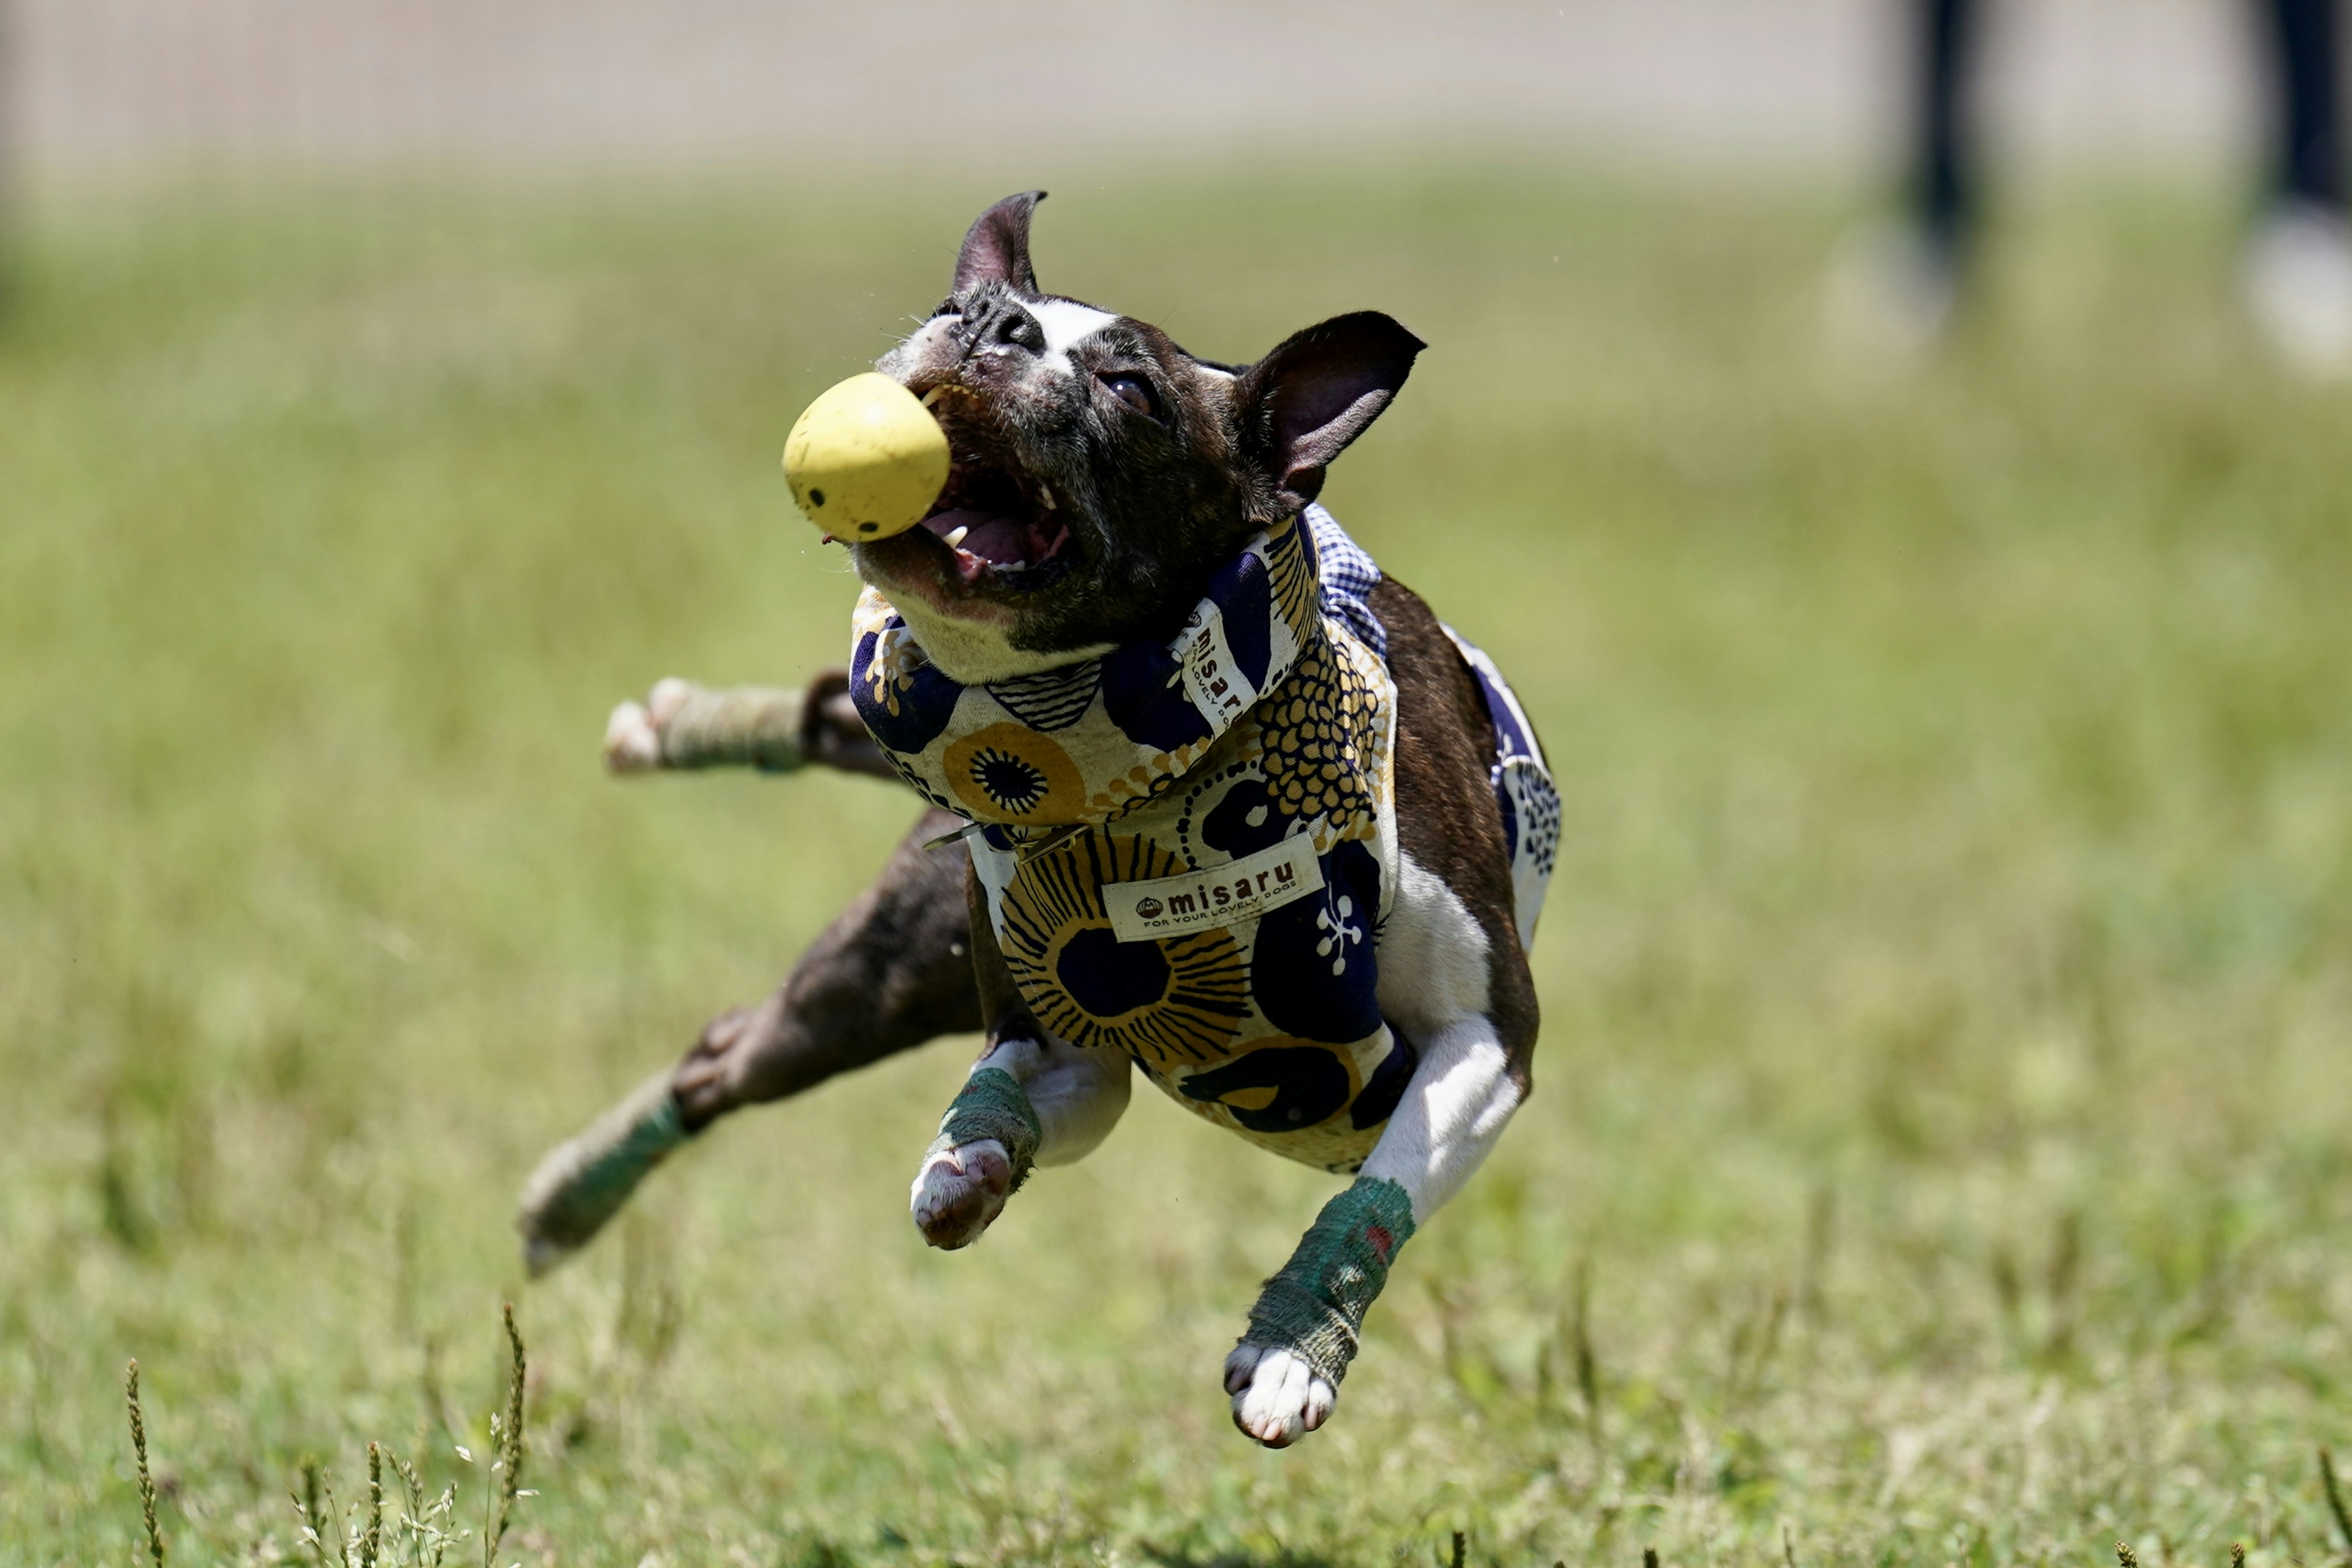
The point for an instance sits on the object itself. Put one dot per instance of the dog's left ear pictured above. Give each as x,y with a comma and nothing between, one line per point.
1301,404
997,250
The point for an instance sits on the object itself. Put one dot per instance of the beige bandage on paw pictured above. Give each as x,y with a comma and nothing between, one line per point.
682,726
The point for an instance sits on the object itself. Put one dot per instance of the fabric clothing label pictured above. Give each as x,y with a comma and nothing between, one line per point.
1213,681
1237,891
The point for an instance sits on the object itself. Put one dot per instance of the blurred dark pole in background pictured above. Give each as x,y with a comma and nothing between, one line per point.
2308,63
1944,173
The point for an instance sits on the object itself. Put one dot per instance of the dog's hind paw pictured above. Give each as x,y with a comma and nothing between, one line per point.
960,1192
1278,1396
584,1183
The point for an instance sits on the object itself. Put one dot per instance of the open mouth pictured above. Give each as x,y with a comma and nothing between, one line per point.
998,524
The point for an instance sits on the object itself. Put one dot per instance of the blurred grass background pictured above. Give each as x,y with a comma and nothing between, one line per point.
1942,1098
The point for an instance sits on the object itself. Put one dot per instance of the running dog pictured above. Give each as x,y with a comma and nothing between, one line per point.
1207,797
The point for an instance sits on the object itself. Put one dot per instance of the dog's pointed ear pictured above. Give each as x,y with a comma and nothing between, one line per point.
996,249
1319,390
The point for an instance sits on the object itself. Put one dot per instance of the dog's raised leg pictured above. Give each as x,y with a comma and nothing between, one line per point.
682,726
893,970
1030,1099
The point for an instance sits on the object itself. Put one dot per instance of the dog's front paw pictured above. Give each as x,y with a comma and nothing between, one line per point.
633,735
1277,1397
960,1192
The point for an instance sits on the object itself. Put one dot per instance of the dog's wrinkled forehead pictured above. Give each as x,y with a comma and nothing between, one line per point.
1066,323
994,320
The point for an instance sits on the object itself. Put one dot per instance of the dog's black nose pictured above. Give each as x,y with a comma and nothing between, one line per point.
1002,322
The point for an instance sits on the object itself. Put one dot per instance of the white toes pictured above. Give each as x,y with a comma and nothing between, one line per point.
1320,1397
960,1192
666,699
1277,1397
632,742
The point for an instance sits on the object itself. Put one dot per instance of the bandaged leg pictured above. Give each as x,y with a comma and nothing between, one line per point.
1024,1104
682,726
1284,1376
584,1183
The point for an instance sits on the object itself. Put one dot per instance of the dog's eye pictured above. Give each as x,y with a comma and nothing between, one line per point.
1132,390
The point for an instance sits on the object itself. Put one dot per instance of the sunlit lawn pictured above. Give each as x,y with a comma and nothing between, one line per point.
1944,1094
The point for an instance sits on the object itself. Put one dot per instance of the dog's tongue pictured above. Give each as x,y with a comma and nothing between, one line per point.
1001,541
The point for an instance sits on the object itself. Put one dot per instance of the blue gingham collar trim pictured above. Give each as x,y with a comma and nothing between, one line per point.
1347,576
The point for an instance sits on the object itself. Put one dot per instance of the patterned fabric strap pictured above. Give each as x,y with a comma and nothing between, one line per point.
992,1104
1086,743
1315,1307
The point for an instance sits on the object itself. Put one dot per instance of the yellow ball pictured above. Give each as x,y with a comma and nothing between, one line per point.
865,460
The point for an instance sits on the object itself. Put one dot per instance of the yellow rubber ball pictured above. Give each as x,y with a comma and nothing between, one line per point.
865,460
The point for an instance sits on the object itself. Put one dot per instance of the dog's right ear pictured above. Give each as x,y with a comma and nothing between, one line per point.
997,250
1301,404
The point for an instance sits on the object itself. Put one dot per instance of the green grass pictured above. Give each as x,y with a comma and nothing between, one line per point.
1944,1087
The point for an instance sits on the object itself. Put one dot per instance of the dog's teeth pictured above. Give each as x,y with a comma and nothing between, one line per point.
954,536
935,394
1046,492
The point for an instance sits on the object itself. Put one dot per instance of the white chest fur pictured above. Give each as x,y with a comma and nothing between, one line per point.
1433,954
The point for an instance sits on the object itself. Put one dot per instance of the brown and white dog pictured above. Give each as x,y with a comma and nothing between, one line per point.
1101,475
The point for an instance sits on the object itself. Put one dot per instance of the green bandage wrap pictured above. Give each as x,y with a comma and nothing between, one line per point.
620,1166
743,726
1315,1307
584,1183
992,1104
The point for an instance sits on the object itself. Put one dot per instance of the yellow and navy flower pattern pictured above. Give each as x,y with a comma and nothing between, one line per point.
1271,716
1008,771
1090,742
1171,1005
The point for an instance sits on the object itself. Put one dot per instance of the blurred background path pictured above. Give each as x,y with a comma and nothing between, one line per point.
1799,86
